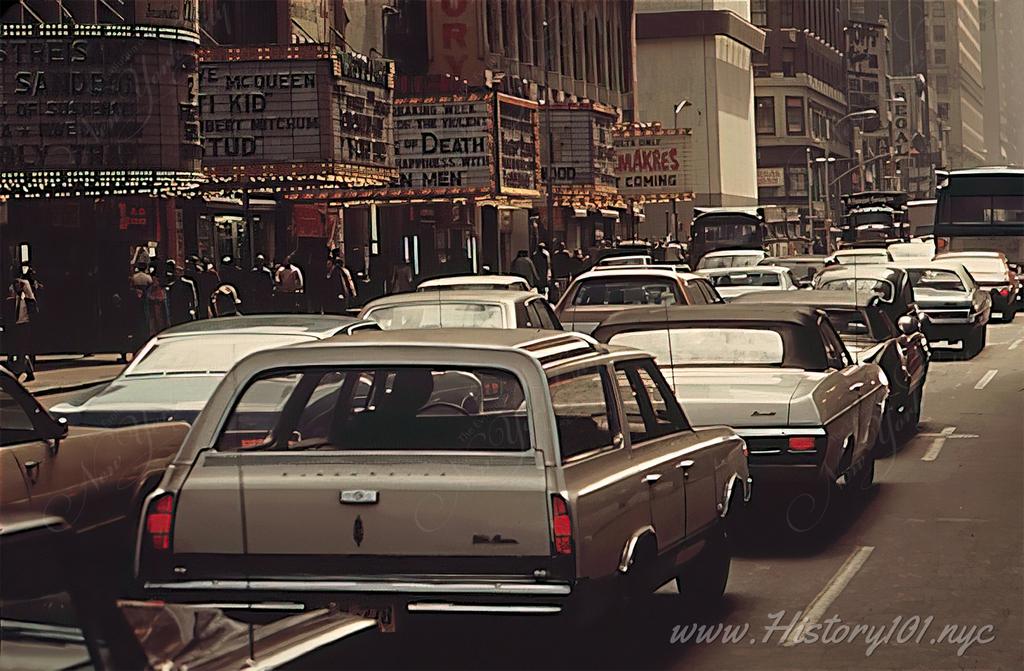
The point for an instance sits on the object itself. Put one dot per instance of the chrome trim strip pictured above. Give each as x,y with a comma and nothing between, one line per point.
480,608
650,463
627,551
780,432
366,586
269,605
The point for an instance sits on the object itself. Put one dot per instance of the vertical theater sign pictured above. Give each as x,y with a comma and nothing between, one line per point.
93,110
286,117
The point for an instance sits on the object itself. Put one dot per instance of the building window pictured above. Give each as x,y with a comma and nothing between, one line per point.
938,8
759,12
942,83
788,61
939,32
796,180
759,61
939,56
943,110
819,124
787,14
794,116
764,115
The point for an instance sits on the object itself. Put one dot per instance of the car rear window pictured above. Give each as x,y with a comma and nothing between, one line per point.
707,346
438,315
407,408
206,354
862,285
728,261
750,278
940,280
626,291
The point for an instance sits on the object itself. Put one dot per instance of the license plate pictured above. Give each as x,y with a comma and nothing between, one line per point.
384,615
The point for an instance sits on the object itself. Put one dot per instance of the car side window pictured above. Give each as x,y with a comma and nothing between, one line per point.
710,292
838,358
543,319
650,407
532,317
546,309
694,296
583,410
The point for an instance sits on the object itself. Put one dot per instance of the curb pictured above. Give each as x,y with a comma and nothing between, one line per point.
63,389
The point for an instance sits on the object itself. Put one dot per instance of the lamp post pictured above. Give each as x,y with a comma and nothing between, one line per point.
676,109
861,114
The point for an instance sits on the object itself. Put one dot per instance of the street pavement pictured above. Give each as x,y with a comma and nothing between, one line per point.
924,573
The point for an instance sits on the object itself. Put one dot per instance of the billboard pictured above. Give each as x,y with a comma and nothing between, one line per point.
582,157
650,163
111,109
518,146
309,111
768,177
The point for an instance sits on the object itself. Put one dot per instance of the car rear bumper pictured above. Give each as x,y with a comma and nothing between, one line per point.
949,330
774,475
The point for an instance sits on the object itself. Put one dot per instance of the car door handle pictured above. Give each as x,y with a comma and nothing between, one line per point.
32,470
652,477
685,464
855,386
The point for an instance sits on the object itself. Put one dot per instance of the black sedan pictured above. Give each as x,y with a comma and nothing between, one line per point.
175,373
956,308
890,283
871,337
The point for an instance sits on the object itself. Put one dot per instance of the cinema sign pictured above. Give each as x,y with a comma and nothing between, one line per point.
650,163
89,110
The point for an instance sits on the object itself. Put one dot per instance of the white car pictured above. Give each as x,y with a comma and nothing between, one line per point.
624,260
856,256
731,258
911,252
476,282
733,282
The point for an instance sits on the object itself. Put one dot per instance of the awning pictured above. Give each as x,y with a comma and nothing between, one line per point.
609,214
579,212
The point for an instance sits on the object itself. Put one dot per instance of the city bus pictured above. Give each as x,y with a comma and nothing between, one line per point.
717,228
921,217
981,209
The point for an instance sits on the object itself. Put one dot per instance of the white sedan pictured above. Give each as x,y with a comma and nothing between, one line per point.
732,282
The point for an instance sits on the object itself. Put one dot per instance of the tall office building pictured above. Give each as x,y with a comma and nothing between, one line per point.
1002,29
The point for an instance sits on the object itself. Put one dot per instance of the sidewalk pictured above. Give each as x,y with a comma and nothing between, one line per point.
58,374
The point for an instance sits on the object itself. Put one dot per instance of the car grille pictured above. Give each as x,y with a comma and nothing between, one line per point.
960,313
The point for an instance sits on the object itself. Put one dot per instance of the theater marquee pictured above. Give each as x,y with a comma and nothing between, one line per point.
90,110
651,163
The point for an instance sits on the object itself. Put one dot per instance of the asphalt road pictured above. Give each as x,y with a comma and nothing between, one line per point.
924,573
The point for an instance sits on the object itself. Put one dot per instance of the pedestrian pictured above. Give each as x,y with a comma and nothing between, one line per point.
341,289
260,287
561,267
157,313
290,286
19,307
207,283
523,267
542,263
181,295
579,263
401,278
225,301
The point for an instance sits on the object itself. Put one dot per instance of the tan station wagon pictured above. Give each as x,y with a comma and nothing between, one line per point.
441,471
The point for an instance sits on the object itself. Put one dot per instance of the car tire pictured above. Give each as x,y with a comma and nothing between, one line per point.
975,342
701,582
865,478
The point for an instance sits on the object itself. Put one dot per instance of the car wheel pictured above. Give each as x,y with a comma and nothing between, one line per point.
865,478
702,581
892,427
975,342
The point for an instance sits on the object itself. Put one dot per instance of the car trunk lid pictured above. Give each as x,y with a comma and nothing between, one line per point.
737,397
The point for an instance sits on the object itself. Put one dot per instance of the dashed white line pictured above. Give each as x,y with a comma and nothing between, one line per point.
986,378
832,589
933,452
1016,343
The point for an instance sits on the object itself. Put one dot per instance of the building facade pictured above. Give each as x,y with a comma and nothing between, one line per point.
714,97
799,96
1002,29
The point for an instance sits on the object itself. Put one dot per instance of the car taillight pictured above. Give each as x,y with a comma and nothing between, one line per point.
159,520
801,443
561,525
1004,292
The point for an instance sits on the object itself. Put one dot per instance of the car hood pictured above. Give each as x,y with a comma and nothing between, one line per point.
745,396
128,401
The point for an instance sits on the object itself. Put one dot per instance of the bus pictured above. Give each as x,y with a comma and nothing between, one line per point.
717,228
981,209
921,217
874,218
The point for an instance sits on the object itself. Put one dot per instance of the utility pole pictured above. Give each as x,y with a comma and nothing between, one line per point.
550,205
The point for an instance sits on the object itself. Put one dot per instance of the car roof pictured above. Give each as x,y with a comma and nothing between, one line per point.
472,279
503,296
988,169
964,255
808,258
636,271
656,316
736,252
866,270
855,251
275,324
822,298
739,270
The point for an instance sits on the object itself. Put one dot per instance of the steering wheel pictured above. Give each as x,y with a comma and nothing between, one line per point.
446,404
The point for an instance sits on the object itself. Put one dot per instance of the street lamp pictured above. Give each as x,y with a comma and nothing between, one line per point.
676,109
860,114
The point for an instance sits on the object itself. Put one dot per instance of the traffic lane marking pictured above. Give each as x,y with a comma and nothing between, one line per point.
1016,343
986,378
933,451
828,594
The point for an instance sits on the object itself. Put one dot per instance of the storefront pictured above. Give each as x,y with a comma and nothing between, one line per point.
99,145
467,169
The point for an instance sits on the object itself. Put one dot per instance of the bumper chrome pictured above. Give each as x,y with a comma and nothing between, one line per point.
366,586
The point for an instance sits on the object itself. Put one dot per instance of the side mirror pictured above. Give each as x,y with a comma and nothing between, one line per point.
908,324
